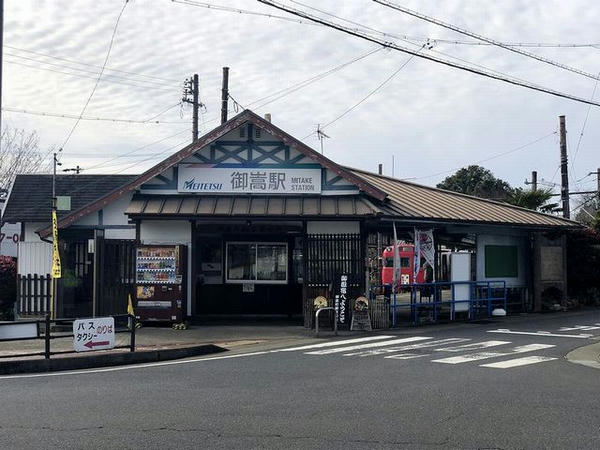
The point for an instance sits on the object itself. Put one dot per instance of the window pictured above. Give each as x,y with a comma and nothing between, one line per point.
257,262
501,261
404,262
243,131
257,133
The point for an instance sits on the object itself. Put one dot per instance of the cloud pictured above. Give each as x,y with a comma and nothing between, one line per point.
432,118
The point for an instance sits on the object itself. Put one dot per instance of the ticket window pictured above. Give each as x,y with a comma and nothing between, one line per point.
210,261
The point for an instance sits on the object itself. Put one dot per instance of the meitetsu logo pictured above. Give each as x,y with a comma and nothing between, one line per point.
191,185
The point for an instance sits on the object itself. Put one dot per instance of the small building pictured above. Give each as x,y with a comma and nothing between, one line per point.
268,224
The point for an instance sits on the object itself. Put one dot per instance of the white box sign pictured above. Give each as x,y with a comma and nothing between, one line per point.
219,180
94,334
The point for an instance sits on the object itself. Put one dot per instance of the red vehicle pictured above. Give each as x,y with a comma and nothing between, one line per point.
407,257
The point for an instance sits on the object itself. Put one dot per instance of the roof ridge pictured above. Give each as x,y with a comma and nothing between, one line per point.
460,194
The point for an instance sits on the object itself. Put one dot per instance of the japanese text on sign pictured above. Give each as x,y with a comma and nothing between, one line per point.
192,178
94,334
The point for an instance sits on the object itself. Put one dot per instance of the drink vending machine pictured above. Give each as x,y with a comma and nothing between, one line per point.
161,283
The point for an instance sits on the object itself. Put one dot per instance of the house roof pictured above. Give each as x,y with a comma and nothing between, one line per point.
30,198
413,201
247,206
244,117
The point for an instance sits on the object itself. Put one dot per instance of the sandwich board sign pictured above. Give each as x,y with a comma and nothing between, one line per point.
94,334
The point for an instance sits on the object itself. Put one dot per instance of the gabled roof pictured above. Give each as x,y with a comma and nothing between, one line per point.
232,124
414,201
30,198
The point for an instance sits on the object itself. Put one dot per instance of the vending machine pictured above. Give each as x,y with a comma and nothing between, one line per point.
161,283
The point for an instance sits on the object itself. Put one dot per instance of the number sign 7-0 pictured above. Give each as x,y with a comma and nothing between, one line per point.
94,334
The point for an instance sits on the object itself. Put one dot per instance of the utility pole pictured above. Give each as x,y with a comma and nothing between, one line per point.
564,187
1,55
533,181
53,294
597,173
224,95
321,136
191,86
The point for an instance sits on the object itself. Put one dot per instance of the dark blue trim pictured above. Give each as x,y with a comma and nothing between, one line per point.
100,217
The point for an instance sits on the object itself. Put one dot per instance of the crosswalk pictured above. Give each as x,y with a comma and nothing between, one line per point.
450,351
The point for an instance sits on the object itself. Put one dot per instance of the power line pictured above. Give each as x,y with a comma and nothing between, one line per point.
73,116
397,47
89,65
484,39
356,105
295,87
498,155
62,66
86,76
138,149
238,10
110,45
587,115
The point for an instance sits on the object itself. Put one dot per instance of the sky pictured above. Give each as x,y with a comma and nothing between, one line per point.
428,119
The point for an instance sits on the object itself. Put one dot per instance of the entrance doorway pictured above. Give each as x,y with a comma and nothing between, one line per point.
247,270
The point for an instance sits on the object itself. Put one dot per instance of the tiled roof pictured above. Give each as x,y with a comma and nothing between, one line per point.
30,198
413,201
244,205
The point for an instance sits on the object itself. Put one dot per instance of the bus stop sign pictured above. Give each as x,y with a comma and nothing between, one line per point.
94,334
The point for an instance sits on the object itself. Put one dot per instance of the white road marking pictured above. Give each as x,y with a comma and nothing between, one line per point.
406,356
487,355
517,362
581,328
381,351
370,345
334,343
542,333
474,346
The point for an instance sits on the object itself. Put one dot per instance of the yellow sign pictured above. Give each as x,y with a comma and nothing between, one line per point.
56,268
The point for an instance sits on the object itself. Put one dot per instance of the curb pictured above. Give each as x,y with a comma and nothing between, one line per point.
104,360
588,355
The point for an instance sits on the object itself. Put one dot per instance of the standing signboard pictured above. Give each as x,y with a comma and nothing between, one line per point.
94,334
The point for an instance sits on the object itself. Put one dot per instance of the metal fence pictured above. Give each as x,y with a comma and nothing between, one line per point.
33,294
442,301
49,330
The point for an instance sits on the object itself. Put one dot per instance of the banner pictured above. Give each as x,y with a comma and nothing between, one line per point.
56,268
396,270
424,247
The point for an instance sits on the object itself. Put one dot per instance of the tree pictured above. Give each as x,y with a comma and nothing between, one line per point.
588,210
536,200
19,153
479,182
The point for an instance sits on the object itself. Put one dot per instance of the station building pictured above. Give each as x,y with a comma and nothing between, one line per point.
264,224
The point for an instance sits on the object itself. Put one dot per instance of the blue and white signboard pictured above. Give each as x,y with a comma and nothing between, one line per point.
196,178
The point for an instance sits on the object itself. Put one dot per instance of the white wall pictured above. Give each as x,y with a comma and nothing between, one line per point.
30,231
169,232
332,227
523,257
34,258
10,235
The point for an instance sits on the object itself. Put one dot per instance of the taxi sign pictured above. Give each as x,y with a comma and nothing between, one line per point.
94,334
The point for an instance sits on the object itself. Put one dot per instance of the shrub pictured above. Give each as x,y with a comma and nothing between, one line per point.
8,286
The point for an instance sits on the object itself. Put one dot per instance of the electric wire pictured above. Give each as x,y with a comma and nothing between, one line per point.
371,93
449,26
168,80
587,115
63,66
397,47
86,118
498,155
110,45
88,77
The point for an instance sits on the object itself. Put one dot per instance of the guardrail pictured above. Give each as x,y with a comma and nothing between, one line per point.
472,297
335,319
26,330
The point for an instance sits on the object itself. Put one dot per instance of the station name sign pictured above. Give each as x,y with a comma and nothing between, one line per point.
220,180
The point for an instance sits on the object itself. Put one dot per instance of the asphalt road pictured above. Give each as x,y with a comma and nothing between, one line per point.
433,387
